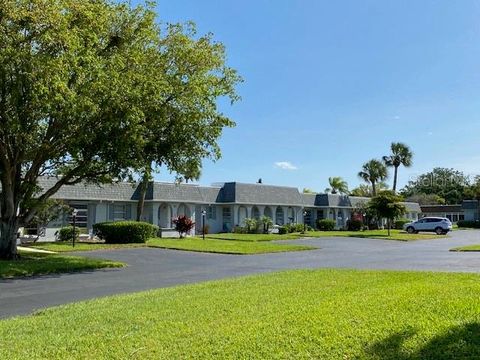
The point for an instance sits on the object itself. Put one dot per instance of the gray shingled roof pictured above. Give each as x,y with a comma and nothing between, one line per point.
122,191
231,192
332,200
412,207
176,192
259,194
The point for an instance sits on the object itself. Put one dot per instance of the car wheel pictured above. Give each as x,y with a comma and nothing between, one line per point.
439,231
410,230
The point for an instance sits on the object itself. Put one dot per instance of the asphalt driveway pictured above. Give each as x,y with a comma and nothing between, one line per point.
154,268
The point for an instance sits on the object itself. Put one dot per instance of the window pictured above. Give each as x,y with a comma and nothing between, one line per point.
81,220
320,214
211,212
227,218
279,216
119,212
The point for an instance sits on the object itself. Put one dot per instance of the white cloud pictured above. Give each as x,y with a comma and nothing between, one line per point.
285,165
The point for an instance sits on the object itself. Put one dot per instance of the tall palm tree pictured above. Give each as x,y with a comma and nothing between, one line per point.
373,172
337,185
401,155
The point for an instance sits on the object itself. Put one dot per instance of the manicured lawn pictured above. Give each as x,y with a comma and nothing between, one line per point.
224,246
82,246
253,237
41,264
375,234
467,248
316,314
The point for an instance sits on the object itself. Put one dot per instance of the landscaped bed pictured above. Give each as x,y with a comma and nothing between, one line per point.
399,235
224,246
321,314
31,264
254,237
466,248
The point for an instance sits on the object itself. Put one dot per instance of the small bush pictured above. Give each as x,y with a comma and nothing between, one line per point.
285,229
66,233
354,225
123,232
183,225
468,224
251,225
239,230
325,224
298,227
400,222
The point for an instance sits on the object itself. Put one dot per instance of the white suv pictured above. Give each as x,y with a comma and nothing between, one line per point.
437,224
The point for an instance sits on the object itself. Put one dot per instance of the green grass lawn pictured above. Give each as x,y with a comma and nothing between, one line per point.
467,248
253,237
399,235
316,314
41,264
224,246
82,246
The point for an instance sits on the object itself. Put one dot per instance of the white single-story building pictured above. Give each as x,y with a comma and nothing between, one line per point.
227,205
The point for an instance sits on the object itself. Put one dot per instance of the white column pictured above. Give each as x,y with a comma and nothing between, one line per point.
249,211
154,214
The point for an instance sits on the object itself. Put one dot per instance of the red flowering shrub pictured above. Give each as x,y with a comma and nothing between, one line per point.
183,225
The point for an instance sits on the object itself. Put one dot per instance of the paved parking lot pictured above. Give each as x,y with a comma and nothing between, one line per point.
155,268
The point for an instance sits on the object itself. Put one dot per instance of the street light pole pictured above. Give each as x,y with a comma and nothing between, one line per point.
74,216
304,224
203,223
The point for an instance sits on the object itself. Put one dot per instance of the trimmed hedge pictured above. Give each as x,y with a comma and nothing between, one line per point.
326,224
468,224
123,232
400,222
66,233
354,225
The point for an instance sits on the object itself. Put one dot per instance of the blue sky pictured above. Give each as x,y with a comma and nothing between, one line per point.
330,84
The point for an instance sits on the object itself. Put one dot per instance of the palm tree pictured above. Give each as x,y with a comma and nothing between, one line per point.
401,155
373,172
337,185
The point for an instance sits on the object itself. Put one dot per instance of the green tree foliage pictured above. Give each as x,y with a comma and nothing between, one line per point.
365,190
448,184
426,199
401,155
95,90
337,185
387,205
373,172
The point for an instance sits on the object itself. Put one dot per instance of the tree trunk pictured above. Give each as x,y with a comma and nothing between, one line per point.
395,173
8,238
374,188
389,225
141,200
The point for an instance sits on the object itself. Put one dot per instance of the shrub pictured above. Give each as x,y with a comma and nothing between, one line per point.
239,230
123,232
251,224
354,225
325,224
285,229
400,222
468,224
298,227
66,233
183,225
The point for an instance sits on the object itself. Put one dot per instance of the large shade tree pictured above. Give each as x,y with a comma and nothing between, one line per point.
449,184
93,91
373,172
401,155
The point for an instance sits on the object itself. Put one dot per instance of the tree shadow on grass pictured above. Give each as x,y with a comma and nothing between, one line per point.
458,342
